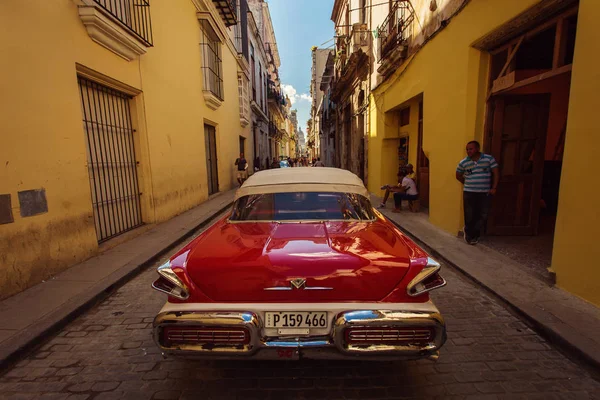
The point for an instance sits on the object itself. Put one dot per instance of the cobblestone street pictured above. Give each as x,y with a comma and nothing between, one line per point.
108,353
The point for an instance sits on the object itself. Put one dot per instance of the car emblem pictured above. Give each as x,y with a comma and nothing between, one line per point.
298,283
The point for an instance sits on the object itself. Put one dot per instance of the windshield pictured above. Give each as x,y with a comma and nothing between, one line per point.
302,206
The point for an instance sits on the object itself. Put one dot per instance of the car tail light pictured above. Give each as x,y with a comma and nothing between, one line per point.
169,283
174,335
390,336
426,280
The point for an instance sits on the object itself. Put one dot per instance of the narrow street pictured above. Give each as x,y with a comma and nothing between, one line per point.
108,353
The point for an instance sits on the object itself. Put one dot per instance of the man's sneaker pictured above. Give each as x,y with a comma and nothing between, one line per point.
467,241
381,206
474,241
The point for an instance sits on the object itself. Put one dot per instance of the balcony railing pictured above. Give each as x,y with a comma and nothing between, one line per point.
133,14
227,10
275,96
395,30
275,132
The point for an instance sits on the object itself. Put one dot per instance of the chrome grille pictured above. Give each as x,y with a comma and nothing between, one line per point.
204,335
368,335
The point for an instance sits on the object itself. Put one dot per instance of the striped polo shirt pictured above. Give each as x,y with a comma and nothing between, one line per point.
478,175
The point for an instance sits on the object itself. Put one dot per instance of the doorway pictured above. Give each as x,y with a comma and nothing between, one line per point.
518,143
527,111
422,164
210,140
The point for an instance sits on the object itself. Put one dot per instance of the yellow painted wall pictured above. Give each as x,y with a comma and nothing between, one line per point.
43,143
43,140
176,112
450,75
576,249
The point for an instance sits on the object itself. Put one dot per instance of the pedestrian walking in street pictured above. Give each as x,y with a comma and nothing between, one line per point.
479,174
319,163
242,166
275,163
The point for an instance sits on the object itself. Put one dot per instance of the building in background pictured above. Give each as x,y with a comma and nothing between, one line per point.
105,157
258,92
350,87
276,101
326,115
294,129
319,61
302,143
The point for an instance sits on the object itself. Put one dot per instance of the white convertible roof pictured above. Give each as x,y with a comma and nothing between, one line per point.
302,179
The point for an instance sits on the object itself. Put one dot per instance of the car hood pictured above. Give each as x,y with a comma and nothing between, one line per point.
339,261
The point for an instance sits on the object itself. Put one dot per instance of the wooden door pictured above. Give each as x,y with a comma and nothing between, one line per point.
212,169
518,139
422,165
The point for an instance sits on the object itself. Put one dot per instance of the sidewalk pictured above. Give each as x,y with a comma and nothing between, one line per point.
561,316
29,316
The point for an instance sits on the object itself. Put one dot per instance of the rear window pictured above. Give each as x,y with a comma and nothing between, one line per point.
302,206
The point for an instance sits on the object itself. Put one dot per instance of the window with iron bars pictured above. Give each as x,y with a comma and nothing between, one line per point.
212,63
133,14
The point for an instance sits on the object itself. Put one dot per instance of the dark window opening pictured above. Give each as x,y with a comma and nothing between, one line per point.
571,28
405,116
498,61
537,52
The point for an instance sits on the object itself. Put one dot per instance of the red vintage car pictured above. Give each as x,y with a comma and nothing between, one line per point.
303,266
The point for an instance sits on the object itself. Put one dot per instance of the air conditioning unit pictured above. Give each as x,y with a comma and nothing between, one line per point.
360,36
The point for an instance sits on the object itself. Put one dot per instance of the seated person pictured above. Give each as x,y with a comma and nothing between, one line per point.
406,190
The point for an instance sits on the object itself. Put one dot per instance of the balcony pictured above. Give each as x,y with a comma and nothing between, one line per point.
350,61
395,32
276,98
227,10
123,27
133,14
275,132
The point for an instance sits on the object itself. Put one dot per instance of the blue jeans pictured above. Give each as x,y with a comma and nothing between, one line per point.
398,197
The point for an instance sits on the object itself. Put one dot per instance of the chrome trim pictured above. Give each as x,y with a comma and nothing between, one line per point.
431,268
246,320
388,318
166,272
298,343
330,345
305,288
298,283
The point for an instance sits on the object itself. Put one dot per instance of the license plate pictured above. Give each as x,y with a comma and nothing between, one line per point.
296,319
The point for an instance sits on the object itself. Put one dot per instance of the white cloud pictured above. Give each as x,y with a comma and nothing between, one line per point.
292,93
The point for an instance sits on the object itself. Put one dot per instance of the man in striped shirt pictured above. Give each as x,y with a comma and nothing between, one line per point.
479,174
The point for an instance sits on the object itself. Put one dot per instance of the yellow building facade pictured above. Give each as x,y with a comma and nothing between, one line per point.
105,127
463,82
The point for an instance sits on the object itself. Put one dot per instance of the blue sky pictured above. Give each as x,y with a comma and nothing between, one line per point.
299,25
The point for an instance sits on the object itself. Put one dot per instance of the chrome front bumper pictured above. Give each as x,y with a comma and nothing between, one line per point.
328,344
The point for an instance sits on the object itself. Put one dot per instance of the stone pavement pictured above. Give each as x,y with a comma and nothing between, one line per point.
34,313
108,353
561,316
